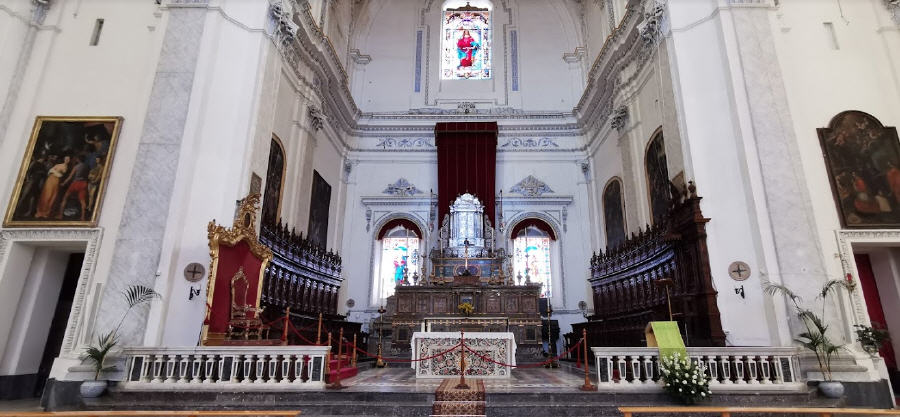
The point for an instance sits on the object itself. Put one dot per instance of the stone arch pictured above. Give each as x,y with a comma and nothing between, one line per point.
606,213
518,218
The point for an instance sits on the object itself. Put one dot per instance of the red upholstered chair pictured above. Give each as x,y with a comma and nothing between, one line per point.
237,266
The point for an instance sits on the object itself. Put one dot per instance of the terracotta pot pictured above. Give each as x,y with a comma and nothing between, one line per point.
831,389
92,389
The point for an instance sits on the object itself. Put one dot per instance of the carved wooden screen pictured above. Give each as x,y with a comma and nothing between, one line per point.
657,178
274,182
627,291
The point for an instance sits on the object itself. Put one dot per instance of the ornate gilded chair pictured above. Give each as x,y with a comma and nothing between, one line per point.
245,318
237,265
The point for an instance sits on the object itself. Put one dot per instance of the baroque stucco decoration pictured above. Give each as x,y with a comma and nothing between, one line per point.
619,118
402,188
530,143
404,143
894,7
531,187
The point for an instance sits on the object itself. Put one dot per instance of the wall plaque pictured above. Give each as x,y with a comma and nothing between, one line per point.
739,271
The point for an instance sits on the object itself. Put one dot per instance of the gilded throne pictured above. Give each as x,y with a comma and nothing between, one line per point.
237,266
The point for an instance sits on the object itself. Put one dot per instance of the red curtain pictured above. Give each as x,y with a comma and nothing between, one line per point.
540,224
409,225
467,163
873,304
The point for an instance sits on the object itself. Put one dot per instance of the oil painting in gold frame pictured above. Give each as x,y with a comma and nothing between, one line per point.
64,172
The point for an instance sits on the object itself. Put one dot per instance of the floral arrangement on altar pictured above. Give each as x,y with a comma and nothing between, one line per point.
871,338
685,380
466,308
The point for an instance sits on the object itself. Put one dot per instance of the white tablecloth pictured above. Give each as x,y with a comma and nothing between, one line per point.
499,347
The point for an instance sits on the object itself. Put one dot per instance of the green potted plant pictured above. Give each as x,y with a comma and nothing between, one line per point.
97,354
871,338
815,338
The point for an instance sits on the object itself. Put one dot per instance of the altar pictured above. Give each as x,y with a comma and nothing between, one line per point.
467,269
497,346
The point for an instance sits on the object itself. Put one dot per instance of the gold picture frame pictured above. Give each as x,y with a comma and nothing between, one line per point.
64,172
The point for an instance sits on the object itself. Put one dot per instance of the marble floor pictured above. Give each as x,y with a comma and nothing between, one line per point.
402,379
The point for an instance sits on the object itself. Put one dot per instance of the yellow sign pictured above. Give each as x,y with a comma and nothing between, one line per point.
666,336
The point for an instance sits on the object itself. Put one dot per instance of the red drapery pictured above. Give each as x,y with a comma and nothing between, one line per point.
540,224
467,162
408,224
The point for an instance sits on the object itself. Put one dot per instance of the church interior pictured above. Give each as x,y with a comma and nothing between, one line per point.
449,207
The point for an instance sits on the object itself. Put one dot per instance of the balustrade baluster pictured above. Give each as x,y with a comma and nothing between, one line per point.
739,369
623,376
648,369
751,366
158,368
260,369
726,369
766,367
146,368
209,368
170,368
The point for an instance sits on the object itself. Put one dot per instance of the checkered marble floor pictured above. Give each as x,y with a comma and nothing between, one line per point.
402,379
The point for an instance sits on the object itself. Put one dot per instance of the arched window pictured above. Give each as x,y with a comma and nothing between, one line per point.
400,250
274,179
657,178
531,254
614,213
466,40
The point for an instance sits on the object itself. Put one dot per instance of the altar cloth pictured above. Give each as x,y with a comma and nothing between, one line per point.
498,346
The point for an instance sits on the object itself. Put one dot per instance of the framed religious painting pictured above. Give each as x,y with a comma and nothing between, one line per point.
64,172
863,161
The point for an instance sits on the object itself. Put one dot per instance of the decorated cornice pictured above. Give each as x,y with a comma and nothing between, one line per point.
402,188
530,187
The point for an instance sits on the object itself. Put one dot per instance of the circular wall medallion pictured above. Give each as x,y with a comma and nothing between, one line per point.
350,303
739,271
194,272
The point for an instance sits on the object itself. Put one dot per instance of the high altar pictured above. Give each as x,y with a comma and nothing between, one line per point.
467,267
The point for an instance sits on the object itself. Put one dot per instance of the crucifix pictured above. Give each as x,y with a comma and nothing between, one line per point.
466,245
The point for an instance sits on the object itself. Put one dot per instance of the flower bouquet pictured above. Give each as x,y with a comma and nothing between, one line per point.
684,380
466,308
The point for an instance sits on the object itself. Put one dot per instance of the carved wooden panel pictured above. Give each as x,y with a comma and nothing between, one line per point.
440,304
493,304
422,302
512,304
405,303
529,303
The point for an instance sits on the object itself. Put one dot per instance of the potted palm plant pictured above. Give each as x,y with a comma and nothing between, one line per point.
97,354
815,338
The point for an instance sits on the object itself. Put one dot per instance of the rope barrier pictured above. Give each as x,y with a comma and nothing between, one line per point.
530,365
294,329
408,360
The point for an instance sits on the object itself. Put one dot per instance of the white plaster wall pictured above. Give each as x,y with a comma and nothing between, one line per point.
386,30
67,77
12,285
14,19
215,161
703,64
863,74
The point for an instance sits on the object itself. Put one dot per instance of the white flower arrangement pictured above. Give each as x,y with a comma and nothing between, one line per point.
683,379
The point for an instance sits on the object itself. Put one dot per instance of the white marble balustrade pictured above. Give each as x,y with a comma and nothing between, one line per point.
729,368
225,367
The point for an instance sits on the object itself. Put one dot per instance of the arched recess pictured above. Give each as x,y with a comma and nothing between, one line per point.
614,212
657,173
534,242
271,207
382,285
863,161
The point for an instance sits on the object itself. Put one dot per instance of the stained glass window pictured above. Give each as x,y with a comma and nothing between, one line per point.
399,258
466,42
532,258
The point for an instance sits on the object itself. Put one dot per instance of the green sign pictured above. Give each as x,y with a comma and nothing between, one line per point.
667,337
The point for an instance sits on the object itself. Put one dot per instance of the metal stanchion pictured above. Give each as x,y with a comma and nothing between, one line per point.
379,363
587,379
319,332
462,361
